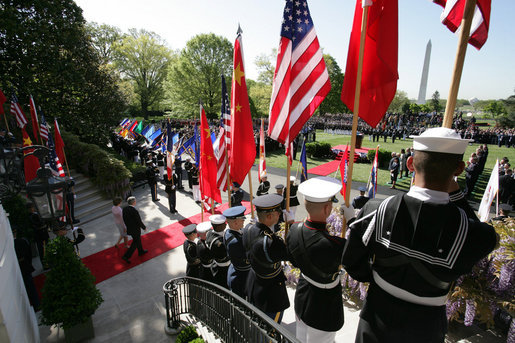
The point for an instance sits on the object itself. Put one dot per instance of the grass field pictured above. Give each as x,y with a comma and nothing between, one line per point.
362,170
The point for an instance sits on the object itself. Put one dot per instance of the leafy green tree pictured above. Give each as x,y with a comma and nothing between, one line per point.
426,108
496,110
406,107
414,108
398,101
196,75
435,102
265,67
332,102
104,38
259,94
509,119
46,52
143,58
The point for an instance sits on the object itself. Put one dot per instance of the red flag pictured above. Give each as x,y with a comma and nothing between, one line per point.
243,146
34,116
207,168
453,14
220,149
262,161
301,80
379,78
3,99
30,163
344,163
59,143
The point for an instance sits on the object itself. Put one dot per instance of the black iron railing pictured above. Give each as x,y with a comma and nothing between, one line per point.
230,317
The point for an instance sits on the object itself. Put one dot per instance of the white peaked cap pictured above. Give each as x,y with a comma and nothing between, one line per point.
204,227
217,219
320,189
440,139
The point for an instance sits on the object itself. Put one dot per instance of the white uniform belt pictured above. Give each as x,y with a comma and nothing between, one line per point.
223,264
207,265
407,296
322,285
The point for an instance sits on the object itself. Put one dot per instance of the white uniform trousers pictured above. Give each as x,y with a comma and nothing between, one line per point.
307,334
196,192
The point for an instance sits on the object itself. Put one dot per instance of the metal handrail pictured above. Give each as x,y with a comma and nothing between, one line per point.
229,316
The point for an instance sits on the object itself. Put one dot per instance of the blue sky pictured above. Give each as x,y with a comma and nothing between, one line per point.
487,74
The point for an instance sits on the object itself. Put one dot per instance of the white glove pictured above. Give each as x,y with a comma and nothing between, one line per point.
288,216
348,212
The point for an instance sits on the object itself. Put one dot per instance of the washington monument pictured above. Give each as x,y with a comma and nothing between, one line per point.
423,81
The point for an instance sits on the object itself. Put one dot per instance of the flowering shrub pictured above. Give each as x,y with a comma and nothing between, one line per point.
478,296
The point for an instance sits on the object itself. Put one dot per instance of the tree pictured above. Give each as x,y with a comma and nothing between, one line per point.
406,107
143,58
104,39
196,75
509,119
259,94
398,101
435,102
265,67
496,110
425,108
46,52
332,102
414,108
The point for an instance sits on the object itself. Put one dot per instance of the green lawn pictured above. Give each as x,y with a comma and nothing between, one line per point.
362,171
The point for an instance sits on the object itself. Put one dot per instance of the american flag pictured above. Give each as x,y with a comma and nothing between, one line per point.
301,80
17,112
55,163
372,180
453,14
225,117
43,128
220,151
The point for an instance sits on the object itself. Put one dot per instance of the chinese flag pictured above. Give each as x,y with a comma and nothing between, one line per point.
208,168
2,100
243,145
379,78
59,143
30,163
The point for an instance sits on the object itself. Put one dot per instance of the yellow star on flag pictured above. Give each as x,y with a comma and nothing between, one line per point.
27,141
238,74
238,108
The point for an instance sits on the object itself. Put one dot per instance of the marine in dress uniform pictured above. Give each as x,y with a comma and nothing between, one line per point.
419,244
195,183
178,171
294,201
188,166
151,174
266,283
318,298
236,194
264,186
233,241
190,251
170,189
215,242
360,201
203,252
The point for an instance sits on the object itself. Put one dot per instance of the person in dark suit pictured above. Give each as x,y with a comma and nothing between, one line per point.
178,172
190,251
471,176
152,174
360,201
421,243
318,300
170,189
189,166
506,187
236,194
266,283
134,225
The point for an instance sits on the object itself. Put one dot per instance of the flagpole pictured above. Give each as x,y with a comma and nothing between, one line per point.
288,172
228,178
466,22
357,92
250,190
66,162
212,206
7,125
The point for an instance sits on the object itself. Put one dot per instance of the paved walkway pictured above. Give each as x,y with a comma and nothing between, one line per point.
133,309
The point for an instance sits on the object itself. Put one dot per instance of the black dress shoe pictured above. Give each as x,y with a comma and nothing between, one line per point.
143,252
126,259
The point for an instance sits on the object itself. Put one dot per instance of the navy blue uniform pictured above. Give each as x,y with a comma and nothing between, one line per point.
214,241
240,265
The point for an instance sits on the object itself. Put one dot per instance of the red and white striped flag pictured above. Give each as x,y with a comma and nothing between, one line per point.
43,128
301,80
34,117
220,151
225,118
17,112
262,161
453,14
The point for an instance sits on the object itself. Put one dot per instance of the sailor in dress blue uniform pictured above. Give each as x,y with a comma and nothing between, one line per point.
203,252
412,247
190,251
233,240
215,243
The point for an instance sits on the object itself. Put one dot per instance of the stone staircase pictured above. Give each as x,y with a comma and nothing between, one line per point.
90,203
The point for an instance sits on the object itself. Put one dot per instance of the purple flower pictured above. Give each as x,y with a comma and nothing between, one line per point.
470,312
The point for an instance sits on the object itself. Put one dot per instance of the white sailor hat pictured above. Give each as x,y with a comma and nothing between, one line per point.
292,178
320,189
440,139
263,174
204,227
217,219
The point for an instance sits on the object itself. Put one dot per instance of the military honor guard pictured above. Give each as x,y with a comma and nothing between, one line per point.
190,251
170,190
233,241
412,247
360,201
189,166
279,189
264,185
236,194
294,201
195,183
266,283
152,174
318,298
215,242
178,171
203,252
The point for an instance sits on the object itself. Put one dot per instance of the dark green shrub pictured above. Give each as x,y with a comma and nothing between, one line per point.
15,206
319,150
187,335
383,157
70,296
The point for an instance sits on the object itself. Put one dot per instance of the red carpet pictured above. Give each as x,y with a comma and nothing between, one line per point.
108,263
325,169
341,147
